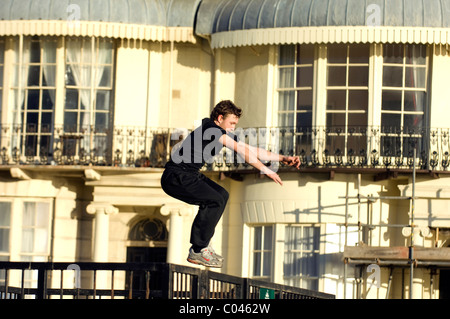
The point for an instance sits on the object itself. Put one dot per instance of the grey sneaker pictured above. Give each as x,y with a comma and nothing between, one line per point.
204,257
216,255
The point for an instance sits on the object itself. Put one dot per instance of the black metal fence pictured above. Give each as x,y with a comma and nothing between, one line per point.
40,280
318,147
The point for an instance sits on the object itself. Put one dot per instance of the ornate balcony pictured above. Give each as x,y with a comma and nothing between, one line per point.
318,147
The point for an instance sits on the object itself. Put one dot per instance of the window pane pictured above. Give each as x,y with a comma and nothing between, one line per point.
357,119
40,240
358,100
49,75
4,240
101,121
70,79
287,55
415,101
413,120
305,77
304,100
336,119
286,101
306,54
389,121
337,53
336,100
392,100
393,53
85,99
267,238
286,119
304,119
33,75
28,214
257,264
2,52
393,76
286,78
416,54
415,77
102,101
35,52
46,122
359,53
48,97
33,100
258,238
105,52
70,121
71,99
49,47
32,121
103,76
358,76
337,76
267,259
27,240
5,214
42,214
1,75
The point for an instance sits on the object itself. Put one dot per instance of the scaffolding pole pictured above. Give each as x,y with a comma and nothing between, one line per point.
411,248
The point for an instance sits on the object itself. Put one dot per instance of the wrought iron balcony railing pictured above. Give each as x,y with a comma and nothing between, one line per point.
318,147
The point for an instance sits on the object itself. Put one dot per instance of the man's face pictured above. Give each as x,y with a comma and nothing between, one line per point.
228,123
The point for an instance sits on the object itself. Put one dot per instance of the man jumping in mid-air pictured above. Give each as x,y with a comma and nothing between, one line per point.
182,180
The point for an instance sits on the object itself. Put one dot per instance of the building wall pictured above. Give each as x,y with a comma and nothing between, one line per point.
175,85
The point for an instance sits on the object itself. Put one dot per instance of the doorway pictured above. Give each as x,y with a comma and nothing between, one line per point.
144,255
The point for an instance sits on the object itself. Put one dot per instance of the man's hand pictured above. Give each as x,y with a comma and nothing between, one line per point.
275,178
291,161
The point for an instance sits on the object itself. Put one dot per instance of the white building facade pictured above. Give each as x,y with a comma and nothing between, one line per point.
94,94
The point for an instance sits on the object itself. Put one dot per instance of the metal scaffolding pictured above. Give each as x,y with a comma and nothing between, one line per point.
411,260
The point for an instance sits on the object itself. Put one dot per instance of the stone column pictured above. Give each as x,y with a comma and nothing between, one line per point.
101,229
101,237
175,254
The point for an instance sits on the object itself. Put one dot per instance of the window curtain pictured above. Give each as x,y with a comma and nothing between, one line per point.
301,258
87,62
20,80
81,70
49,52
416,78
35,228
49,71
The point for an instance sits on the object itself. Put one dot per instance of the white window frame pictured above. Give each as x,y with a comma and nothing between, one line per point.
5,255
87,137
296,68
401,133
262,253
347,88
375,91
316,252
22,87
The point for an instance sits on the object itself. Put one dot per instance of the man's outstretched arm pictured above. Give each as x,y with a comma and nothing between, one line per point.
266,155
249,156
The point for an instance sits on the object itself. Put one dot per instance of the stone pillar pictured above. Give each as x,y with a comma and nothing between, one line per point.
101,229
101,237
175,254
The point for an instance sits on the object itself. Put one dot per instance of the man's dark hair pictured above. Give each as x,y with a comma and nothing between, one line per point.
224,108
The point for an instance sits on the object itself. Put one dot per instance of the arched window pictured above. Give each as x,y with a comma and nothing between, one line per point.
149,229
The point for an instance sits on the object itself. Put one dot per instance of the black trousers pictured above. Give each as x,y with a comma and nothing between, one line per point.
192,187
